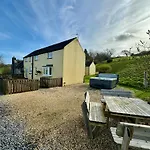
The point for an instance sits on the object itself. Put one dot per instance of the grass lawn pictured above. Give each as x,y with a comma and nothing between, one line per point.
142,94
87,78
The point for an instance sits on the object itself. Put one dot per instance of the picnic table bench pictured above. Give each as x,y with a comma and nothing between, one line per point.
129,134
93,115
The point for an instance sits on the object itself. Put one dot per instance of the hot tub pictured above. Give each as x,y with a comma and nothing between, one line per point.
104,81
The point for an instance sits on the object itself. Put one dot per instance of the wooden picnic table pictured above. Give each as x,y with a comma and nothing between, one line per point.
127,107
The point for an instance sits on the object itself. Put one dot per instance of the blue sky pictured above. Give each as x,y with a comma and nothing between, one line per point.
26,25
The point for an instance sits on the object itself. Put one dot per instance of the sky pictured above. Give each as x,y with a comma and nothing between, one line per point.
27,25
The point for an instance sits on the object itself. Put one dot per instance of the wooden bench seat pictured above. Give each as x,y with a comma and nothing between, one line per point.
96,113
93,114
133,135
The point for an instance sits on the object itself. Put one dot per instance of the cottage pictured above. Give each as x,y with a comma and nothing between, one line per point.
90,68
62,60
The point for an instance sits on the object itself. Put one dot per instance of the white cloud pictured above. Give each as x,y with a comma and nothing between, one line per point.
4,36
100,24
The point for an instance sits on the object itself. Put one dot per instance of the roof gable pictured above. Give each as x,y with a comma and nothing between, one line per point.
50,48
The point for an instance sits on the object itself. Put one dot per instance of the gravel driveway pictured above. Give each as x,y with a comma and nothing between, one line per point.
52,119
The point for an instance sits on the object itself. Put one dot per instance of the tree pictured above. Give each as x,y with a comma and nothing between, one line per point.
127,52
88,57
110,52
148,32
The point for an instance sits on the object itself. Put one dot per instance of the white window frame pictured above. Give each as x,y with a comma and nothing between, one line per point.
50,55
36,57
47,71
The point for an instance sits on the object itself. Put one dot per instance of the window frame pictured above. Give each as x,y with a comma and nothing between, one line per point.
30,70
49,54
26,72
26,59
47,71
36,57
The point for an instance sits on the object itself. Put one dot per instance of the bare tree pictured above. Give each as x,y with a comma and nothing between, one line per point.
148,32
126,52
110,52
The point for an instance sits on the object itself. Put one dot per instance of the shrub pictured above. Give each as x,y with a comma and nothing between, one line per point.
109,60
103,68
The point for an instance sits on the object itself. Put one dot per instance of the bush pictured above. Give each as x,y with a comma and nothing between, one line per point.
109,60
104,68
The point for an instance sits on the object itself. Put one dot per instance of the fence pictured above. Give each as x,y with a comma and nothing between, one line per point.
50,82
9,86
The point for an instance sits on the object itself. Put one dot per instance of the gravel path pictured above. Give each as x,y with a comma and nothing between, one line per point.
53,121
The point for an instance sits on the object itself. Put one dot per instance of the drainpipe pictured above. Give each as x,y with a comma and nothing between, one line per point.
32,65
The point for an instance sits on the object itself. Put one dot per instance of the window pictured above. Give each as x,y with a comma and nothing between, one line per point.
47,71
49,55
30,70
36,57
26,59
35,70
29,59
26,73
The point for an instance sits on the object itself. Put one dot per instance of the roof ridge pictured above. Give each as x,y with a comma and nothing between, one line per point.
50,48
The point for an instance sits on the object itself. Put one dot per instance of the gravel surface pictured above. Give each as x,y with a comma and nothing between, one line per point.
49,119
12,134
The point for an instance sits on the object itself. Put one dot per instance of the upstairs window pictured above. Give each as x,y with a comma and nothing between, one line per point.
36,57
26,59
49,55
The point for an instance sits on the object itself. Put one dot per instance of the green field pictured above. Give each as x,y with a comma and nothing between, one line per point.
5,69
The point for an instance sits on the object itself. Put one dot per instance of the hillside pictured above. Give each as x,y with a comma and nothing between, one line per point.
131,73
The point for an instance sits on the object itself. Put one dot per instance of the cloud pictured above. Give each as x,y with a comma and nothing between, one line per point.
124,36
117,24
4,36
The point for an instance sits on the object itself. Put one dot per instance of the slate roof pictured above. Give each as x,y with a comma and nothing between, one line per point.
50,48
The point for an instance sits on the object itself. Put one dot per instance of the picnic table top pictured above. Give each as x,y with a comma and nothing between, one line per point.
131,107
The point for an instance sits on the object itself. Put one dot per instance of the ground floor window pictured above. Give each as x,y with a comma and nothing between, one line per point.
47,71
30,70
26,73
